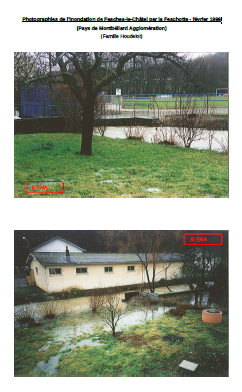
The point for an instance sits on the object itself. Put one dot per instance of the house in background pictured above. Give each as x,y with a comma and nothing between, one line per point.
58,265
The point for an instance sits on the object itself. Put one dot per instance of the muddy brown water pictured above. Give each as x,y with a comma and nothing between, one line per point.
137,316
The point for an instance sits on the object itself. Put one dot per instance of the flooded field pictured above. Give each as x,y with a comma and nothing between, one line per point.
150,135
81,304
134,316
78,328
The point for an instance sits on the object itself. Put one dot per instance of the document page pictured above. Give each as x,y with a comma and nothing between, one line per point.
129,113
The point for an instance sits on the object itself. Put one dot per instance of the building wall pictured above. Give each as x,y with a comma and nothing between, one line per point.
57,245
96,277
173,270
40,277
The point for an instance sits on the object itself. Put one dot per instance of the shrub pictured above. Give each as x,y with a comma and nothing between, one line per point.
136,138
74,292
176,312
24,314
96,300
48,309
166,137
224,144
134,133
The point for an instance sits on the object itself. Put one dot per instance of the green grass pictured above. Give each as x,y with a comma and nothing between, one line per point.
140,351
174,103
27,343
132,166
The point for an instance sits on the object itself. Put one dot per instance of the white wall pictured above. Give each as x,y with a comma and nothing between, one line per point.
57,245
96,276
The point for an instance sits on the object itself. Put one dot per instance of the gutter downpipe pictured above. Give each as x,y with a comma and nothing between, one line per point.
47,280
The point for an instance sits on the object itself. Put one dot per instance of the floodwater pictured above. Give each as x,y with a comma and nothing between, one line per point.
151,135
84,321
88,320
81,304
50,367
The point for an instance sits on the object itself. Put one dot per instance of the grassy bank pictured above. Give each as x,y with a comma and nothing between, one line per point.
118,168
136,352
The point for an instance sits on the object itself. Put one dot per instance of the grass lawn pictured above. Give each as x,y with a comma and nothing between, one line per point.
139,351
118,168
175,102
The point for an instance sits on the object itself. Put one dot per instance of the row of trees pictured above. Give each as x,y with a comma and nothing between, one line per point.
200,264
210,68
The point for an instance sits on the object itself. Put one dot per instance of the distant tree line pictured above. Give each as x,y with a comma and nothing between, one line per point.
211,68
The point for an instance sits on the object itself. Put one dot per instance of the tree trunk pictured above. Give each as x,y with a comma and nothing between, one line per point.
87,124
113,325
196,296
203,268
167,286
148,278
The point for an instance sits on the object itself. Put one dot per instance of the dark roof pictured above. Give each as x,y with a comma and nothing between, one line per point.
68,242
59,258
173,257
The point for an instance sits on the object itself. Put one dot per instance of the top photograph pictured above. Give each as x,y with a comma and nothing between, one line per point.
121,125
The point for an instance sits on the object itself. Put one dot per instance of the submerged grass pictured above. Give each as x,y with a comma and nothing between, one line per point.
118,168
139,351
27,343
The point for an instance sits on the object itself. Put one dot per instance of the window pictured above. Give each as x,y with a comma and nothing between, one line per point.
36,270
108,269
130,268
55,271
81,270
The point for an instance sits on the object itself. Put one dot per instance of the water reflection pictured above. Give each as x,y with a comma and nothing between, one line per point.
87,320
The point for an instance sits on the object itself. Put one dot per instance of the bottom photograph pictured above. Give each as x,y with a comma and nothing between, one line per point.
121,303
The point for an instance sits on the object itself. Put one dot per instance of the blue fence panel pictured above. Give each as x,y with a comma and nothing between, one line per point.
36,101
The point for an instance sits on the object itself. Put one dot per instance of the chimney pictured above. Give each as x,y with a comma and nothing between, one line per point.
67,254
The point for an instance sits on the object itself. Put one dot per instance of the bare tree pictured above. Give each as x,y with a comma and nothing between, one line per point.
210,137
88,73
149,246
224,144
190,122
111,310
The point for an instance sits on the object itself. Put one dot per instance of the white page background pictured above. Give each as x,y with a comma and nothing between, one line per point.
83,214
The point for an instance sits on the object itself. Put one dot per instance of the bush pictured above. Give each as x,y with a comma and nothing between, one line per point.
96,300
74,292
24,314
172,282
48,309
135,138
